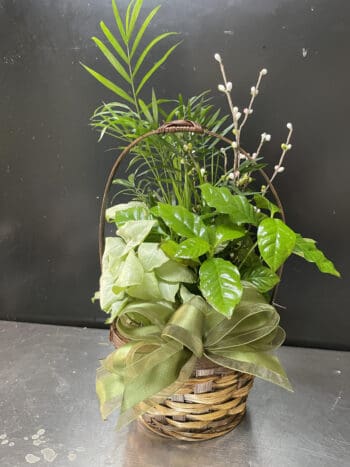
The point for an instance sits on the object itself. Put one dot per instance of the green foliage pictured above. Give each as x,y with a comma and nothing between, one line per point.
307,249
276,242
220,285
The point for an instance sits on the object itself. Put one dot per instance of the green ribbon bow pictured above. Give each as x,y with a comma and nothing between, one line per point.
160,355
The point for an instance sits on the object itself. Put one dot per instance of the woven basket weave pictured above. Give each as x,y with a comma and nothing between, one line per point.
212,402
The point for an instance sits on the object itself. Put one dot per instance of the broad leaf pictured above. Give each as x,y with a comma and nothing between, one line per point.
130,272
134,232
168,290
263,278
307,249
147,290
263,203
175,272
237,206
220,284
114,252
181,221
151,256
116,308
275,241
124,212
225,233
192,248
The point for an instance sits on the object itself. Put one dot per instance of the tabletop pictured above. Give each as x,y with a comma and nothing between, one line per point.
49,413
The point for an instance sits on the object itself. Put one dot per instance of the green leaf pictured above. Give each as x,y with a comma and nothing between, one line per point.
142,30
145,110
149,47
275,241
181,221
220,284
114,252
226,232
155,107
114,42
175,272
151,256
263,203
133,211
168,290
134,232
237,206
134,15
307,249
147,290
192,248
115,309
112,60
130,273
108,84
155,67
119,22
263,278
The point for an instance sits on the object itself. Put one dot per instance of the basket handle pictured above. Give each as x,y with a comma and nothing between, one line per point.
175,126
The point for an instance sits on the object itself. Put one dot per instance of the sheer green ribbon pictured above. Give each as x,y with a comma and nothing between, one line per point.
160,355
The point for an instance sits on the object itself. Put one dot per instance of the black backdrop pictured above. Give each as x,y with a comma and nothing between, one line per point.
53,170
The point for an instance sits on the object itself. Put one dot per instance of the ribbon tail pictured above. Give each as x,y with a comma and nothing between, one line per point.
109,389
262,364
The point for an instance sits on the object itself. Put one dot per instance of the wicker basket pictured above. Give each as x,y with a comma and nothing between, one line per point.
212,402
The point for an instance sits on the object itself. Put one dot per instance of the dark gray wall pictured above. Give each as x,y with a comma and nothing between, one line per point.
53,170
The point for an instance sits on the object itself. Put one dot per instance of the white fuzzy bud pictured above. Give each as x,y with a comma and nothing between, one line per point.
217,57
246,111
231,176
263,136
252,90
203,171
242,156
267,137
254,155
250,111
234,144
263,71
276,168
235,110
280,170
289,146
221,88
229,86
222,150
238,115
289,126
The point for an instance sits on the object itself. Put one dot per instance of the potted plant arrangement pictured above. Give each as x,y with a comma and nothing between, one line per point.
188,278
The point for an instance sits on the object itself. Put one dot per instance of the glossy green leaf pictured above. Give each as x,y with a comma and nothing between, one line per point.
112,59
151,256
237,206
132,211
263,278
192,248
220,284
181,221
275,241
113,41
148,48
307,249
108,84
225,233
170,248
155,67
175,272
263,203
142,30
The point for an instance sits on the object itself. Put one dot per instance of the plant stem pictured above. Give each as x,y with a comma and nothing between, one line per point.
248,254
132,81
